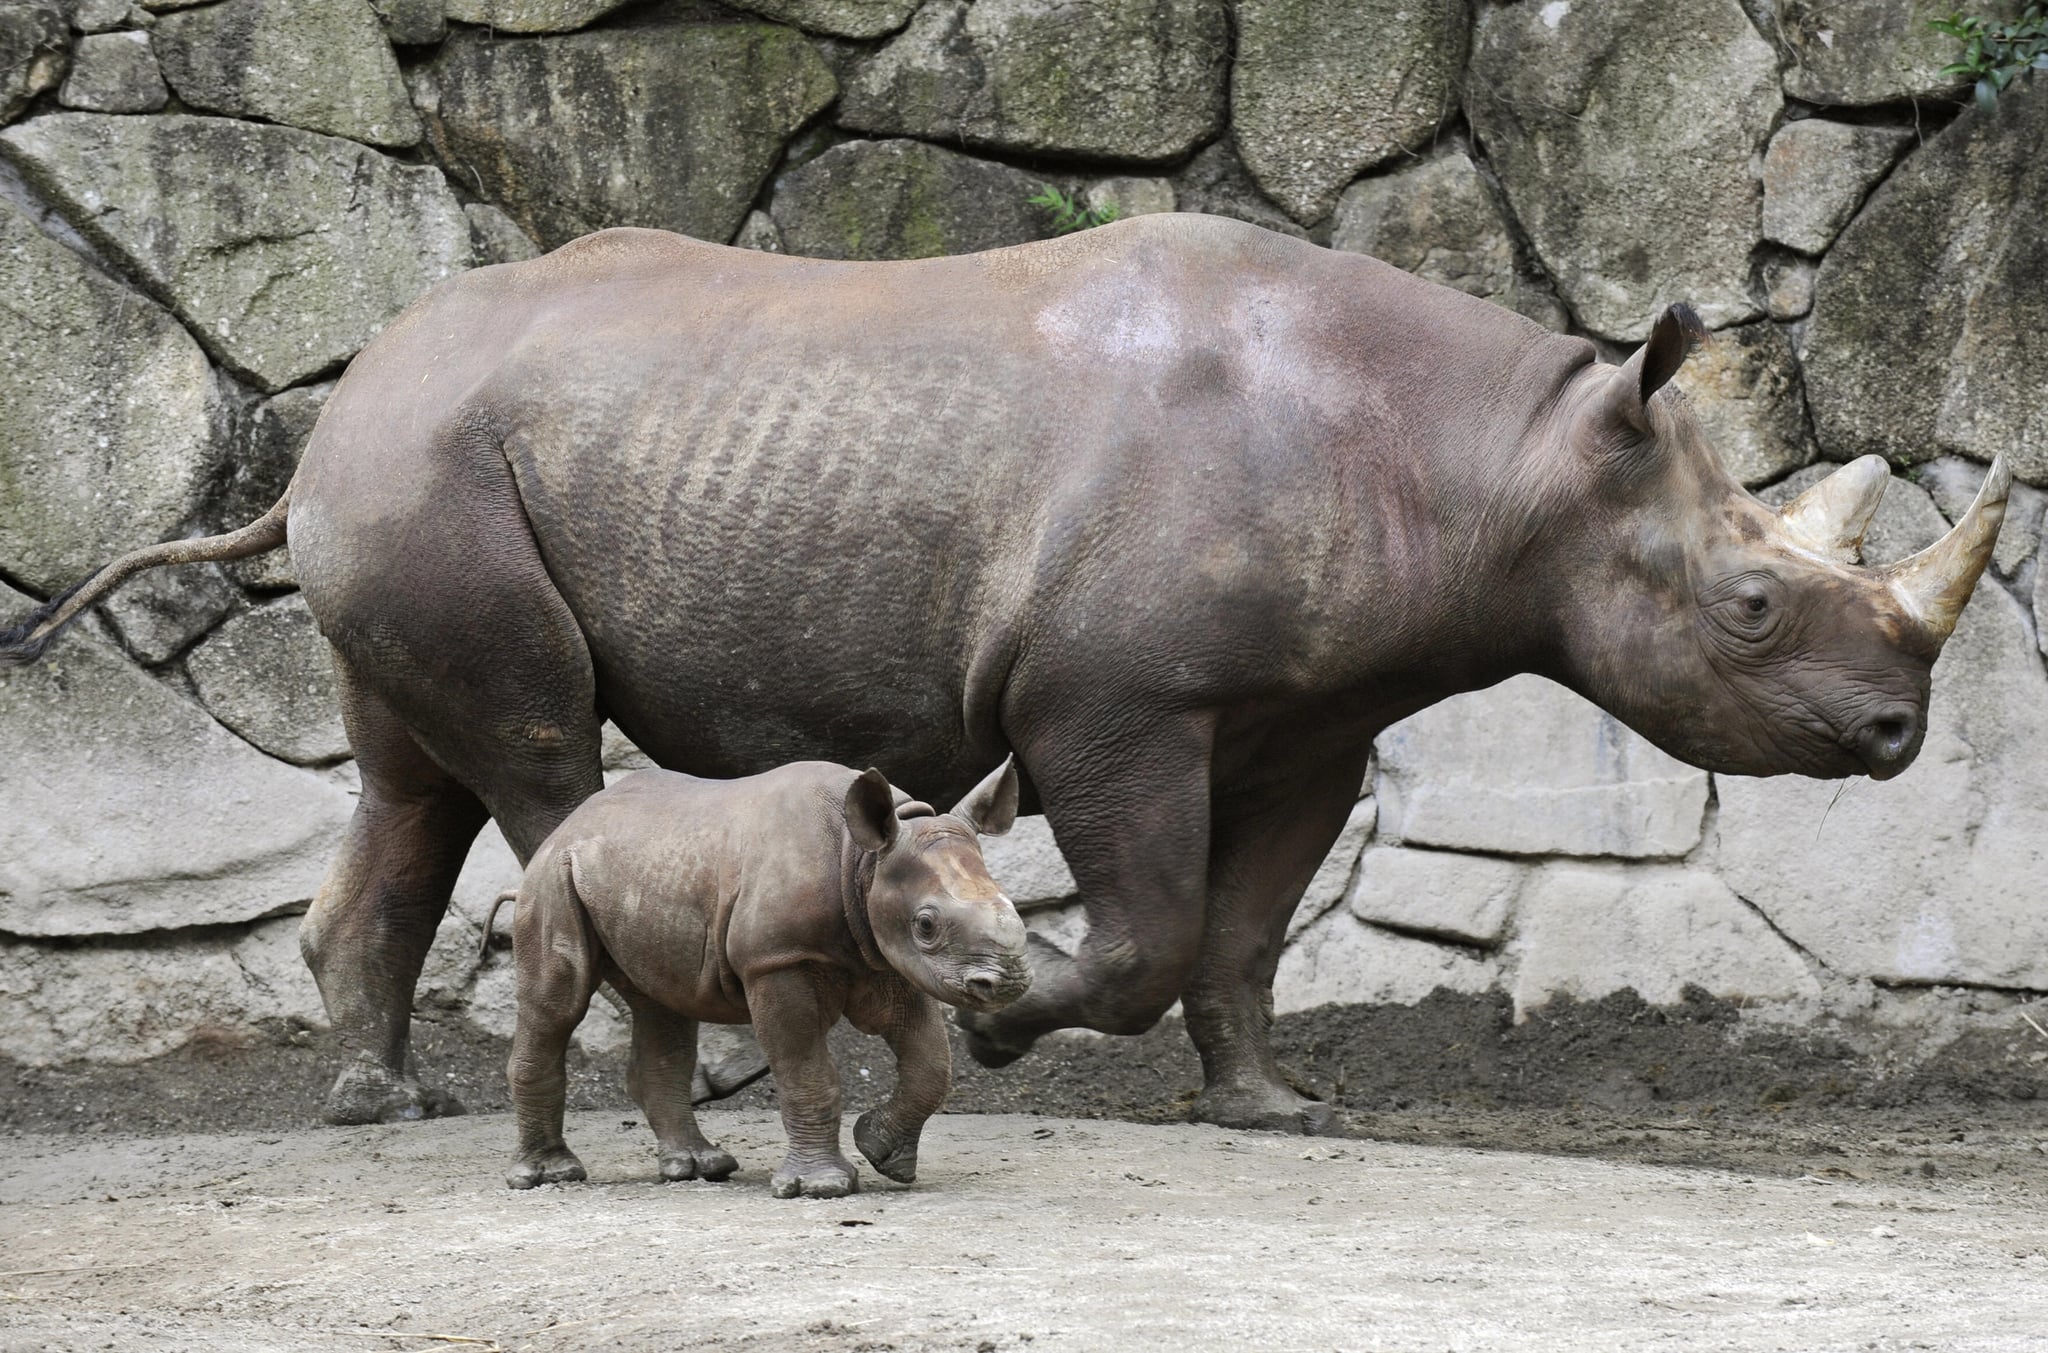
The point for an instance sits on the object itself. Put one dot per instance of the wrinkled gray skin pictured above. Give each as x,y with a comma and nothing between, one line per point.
1179,511
785,899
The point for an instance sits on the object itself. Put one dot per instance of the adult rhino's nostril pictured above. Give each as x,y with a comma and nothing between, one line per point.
1888,743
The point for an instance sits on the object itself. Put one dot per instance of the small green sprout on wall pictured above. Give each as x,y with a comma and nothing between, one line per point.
1996,54
1069,215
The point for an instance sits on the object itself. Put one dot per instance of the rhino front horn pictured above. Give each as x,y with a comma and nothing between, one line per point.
1935,584
1830,518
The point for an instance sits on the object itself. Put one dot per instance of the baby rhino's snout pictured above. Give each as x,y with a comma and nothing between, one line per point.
989,967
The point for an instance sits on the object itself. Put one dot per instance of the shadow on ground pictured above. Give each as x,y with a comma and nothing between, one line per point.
1692,1084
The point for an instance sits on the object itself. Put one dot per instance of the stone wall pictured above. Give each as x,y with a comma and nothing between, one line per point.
206,208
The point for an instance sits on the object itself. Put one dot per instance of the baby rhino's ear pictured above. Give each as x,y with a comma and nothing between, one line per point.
871,811
991,806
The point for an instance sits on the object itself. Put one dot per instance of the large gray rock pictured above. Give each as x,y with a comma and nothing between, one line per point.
267,450
841,18
1341,960
496,237
672,125
1624,135
129,810
324,65
101,16
1437,218
903,199
412,23
284,250
1027,864
267,675
1934,876
35,40
1817,173
1437,894
1930,320
159,614
1588,930
1870,51
1322,89
114,73
1114,79
531,16
1528,768
108,415
1332,880
128,1000
1744,387
1216,183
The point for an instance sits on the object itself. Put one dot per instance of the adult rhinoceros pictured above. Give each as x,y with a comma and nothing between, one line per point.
1181,512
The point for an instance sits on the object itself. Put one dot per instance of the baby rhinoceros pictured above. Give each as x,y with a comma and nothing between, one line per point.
785,899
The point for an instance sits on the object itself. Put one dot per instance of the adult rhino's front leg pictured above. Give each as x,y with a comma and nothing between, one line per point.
1130,806
1268,844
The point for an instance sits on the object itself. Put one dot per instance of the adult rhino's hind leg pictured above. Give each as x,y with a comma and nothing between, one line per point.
369,929
1267,846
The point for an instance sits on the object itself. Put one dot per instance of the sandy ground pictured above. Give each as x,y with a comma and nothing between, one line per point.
1024,1233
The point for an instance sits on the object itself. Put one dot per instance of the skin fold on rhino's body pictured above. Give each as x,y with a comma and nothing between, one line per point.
1180,511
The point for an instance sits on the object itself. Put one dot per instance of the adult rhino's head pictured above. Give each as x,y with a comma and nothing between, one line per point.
1738,637
938,918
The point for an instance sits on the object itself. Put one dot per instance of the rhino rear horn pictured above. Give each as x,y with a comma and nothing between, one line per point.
1830,518
991,806
1935,584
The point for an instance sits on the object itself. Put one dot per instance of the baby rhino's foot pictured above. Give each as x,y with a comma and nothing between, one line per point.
830,1176
557,1165
699,1162
894,1154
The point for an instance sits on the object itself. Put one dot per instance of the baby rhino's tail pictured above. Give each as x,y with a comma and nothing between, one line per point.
24,643
483,948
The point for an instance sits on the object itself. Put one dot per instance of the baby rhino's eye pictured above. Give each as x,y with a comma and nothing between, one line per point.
924,927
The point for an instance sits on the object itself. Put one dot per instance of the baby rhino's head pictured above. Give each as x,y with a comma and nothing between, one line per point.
938,918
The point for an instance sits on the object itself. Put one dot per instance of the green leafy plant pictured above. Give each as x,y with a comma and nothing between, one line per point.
1069,215
1997,53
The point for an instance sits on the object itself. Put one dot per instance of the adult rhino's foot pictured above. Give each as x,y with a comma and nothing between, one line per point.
1264,1106
367,1091
830,1176
891,1152
988,1042
556,1165
704,1162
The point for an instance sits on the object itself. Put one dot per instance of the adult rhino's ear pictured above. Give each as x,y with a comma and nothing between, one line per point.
871,811
991,806
1653,365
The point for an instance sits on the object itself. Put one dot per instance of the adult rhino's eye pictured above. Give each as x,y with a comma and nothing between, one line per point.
1755,605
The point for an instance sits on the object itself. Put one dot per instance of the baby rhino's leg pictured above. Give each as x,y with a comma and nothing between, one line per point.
664,1063
915,1028
792,1010
555,952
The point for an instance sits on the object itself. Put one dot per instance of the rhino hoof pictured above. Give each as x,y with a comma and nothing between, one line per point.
814,1179
894,1158
1267,1109
558,1166
367,1092
706,1162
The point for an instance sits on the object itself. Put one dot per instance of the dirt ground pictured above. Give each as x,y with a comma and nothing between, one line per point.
1602,1175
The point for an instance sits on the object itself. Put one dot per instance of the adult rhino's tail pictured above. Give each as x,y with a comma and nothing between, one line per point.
24,643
